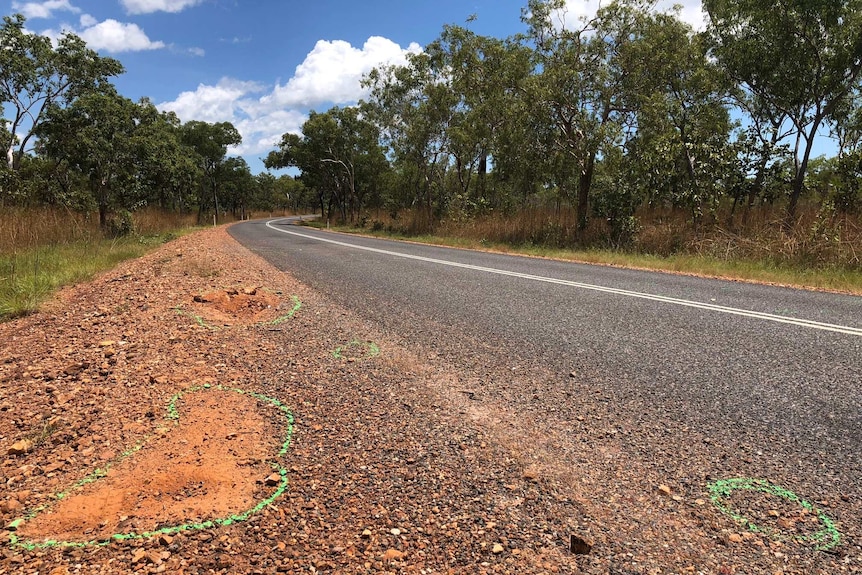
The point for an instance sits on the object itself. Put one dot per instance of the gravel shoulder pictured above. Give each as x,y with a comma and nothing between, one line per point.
242,423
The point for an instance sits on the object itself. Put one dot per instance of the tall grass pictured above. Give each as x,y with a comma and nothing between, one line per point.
42,250
823,249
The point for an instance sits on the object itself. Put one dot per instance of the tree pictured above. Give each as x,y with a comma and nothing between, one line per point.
683,124
35,76
210,143
339,155
579,81
166,166
800,57
238,186
412,106
96,136
486,78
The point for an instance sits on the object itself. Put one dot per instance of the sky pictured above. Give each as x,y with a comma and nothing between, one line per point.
264,64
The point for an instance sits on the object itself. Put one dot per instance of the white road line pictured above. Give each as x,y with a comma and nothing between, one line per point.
659,298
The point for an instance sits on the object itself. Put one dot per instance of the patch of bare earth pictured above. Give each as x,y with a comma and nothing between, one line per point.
400,463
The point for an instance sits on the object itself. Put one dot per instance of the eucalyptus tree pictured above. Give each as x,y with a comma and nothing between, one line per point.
413,106
682,145
486,77
579,80
166,166
210,143
800,57
238,186
96,136
36,76
339,155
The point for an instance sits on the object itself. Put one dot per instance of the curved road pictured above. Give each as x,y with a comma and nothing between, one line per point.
762,369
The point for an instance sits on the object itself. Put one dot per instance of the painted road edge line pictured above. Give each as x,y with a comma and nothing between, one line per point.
847,330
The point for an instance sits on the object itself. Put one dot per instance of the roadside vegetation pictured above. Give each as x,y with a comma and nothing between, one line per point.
43,250
762,253
625,138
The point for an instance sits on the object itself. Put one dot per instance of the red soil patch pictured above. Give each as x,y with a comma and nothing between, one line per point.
238,306
213,463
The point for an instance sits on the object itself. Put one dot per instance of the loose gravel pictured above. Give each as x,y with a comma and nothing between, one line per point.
399,461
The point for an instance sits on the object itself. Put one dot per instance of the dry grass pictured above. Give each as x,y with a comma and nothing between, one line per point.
27,228
823,249
24,228
42,250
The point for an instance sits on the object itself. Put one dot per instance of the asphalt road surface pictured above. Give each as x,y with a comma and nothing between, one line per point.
773,372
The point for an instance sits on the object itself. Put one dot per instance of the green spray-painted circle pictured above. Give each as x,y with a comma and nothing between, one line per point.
173,414
828,537
297,305
370,348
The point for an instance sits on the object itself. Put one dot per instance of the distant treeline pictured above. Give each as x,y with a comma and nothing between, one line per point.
71,140
615,116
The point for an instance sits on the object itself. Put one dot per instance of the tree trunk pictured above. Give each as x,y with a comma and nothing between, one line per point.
585,181
482,171
799,180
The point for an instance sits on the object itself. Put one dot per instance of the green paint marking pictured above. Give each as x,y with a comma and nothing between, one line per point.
372,349
200,320
173,415
297,304
826,538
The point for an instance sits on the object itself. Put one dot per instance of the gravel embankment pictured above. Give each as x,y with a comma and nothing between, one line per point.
400,460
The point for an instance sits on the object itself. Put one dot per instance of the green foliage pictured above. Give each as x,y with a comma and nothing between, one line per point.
800,57
35,76
121,224
29,277
340,157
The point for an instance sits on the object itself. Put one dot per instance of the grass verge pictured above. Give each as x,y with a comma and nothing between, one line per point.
29,276
824,277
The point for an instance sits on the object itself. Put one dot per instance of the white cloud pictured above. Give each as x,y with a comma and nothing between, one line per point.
330,74
332,70
150,6
263,133
219,103
43,9
113,36
691,11
88,21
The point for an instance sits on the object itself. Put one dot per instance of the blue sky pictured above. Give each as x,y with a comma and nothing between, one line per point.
262,65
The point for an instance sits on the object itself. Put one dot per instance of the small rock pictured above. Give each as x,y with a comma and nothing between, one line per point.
140,556
366,534
393,555
21,447
531,474
665,490
273,480
395,531
734,538
165,539
107,343
497,549
579,546
73,369
10,506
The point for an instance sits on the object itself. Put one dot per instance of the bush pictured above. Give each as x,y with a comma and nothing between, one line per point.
121,224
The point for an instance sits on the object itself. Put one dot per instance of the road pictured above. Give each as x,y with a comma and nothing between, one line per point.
769,378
